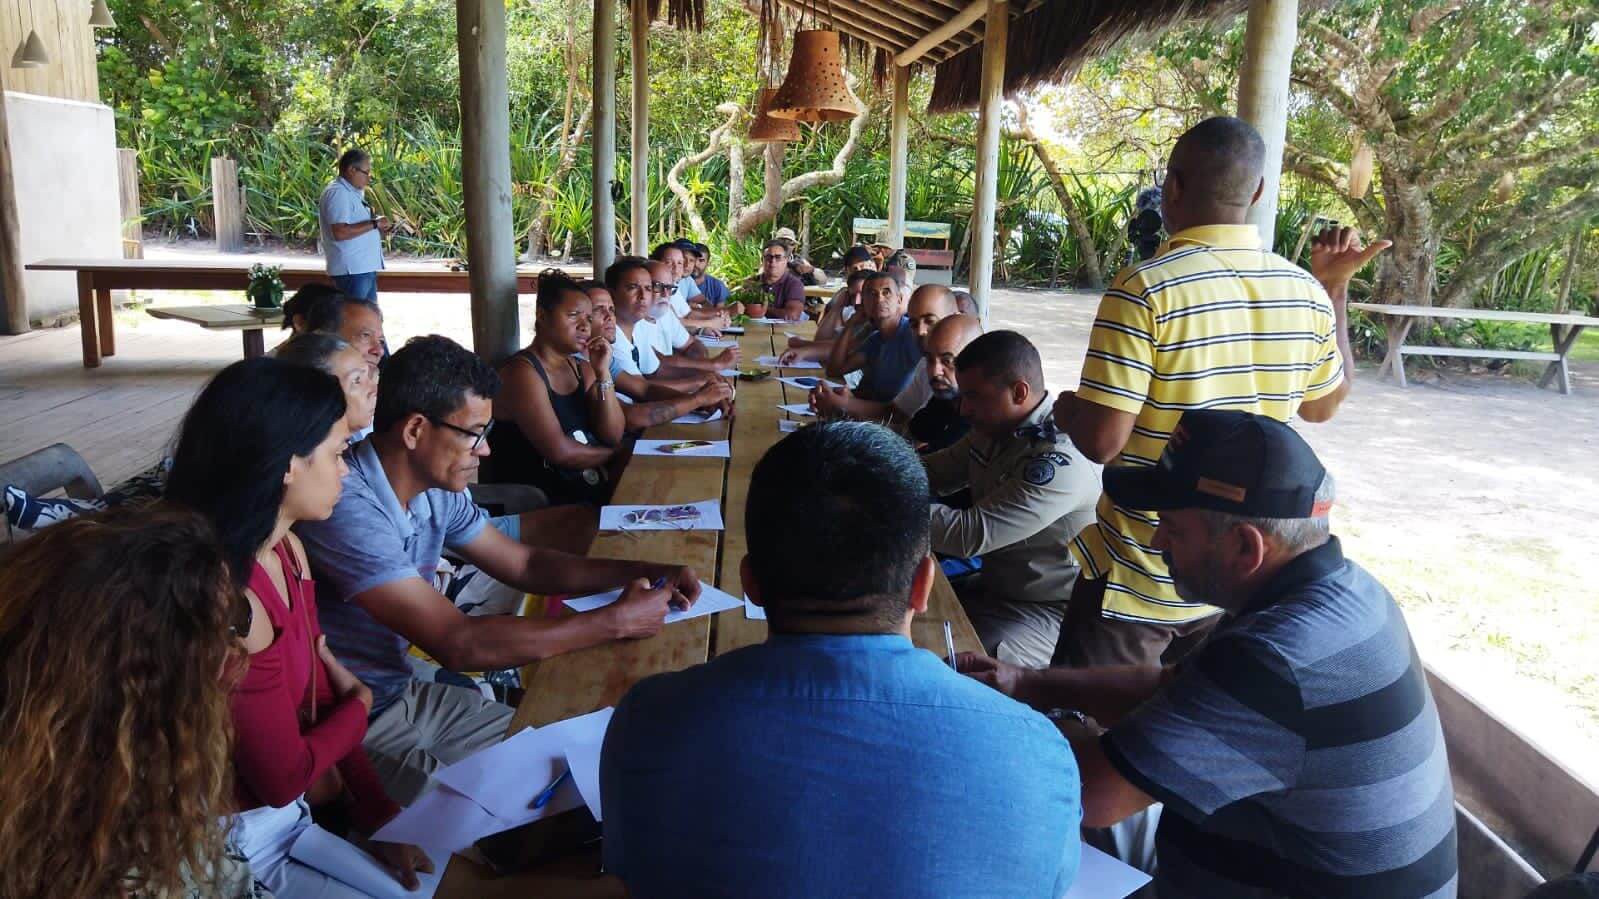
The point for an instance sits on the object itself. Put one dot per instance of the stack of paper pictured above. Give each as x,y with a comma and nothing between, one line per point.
800,409
772,362
705,515
342,861
698,417
714,449
710,602
493,790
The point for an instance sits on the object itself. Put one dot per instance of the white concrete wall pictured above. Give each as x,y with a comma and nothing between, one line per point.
65,157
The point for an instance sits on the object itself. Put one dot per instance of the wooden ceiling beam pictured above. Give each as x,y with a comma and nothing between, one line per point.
858,33
950,29
875,18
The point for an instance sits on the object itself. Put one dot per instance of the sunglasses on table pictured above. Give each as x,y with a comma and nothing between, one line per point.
477,436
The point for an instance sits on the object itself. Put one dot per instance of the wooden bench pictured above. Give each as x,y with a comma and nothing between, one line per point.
576,683
1564,329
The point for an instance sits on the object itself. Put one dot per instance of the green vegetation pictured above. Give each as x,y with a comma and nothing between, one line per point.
1493,203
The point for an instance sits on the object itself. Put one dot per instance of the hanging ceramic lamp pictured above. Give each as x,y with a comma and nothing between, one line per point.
814,90
100,16
30,53
767,130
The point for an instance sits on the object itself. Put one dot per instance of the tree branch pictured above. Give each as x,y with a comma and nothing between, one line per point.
674,182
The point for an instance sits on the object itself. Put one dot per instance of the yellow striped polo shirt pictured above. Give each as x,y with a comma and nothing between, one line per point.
1213,321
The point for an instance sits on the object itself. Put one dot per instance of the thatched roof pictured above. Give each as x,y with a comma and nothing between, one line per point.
1049,42
684,14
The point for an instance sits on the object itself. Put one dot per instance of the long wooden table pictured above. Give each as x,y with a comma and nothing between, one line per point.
98,277
587,680
1564,329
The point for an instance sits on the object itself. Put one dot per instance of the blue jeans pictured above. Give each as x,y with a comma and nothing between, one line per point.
362,286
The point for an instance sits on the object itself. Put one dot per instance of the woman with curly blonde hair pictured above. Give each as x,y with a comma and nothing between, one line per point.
117,652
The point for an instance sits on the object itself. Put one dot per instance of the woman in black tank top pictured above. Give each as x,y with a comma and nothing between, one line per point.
557,422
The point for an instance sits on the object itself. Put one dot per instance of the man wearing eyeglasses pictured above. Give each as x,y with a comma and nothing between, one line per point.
784,290
352,234
680,352
406,499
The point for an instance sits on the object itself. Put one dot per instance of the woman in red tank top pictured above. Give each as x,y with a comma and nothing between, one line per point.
262,448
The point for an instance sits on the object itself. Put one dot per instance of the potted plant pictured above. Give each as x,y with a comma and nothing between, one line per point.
266,286
750,301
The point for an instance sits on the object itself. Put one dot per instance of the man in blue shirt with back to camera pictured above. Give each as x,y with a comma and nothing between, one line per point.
352,234
829,759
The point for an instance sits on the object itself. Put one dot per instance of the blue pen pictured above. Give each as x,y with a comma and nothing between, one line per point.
548,793
660,582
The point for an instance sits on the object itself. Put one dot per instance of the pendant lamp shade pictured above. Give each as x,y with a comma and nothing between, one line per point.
814,90
767,130
30,53
1360,169
100,16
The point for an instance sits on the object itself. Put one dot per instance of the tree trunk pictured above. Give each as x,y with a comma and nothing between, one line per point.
735,180
674,177
1093,274
1405,273
778,191
1573,258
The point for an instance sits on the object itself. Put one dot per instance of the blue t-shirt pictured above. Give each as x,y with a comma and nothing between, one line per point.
830,765
714,291
889,363
1298,751
369,541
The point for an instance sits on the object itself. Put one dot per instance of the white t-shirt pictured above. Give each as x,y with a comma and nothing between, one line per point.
669,333
637,358
686,290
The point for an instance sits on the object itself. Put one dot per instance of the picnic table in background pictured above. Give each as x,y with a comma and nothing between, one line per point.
587,680
1564,329
98,277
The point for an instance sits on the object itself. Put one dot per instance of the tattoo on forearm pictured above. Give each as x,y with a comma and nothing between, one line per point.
661,413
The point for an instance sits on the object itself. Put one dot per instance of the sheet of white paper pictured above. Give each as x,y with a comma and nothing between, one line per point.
787,425
799,409
718,342
316,848
1100,876
581,742
707,517
442,821
806,382
770,321
752,611
733,330
698,418
505,777
771,362
710,602
713,449
728,372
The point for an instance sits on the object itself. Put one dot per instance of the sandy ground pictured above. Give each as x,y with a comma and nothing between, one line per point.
1470,496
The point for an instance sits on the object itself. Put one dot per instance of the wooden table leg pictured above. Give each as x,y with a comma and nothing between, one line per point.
108,324
1563,343
254,343
86,320
1395,360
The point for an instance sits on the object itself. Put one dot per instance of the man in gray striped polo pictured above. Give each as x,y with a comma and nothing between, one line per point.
1297,751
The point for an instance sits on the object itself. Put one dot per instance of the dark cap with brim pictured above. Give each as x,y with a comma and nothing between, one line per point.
1226,461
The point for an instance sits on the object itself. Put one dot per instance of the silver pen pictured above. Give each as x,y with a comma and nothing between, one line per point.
949,644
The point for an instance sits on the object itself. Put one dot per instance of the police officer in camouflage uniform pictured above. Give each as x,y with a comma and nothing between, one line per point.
1032,491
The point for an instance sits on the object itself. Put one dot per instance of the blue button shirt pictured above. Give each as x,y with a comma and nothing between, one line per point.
835,766
342,204
714,290
372,540
890,362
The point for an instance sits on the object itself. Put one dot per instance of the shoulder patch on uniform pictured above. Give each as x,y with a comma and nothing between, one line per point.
1039,471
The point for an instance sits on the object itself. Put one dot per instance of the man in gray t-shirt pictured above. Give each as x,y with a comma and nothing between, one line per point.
405,501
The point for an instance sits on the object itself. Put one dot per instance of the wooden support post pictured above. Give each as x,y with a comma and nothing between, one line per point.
132,213
604,136
13,293
991,99
486,176
641,127
227,205
898,150
1263,95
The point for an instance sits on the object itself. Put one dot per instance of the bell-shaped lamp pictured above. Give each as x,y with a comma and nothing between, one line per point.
100,16
815,90
1360,171
30,53
767,130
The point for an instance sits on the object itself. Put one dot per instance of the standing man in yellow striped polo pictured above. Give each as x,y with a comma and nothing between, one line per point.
1213,321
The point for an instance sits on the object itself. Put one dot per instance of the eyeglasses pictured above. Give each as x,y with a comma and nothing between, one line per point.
664,287
367,172
477,436
776,257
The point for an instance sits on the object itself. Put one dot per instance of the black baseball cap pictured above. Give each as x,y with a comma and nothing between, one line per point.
1226,461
